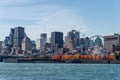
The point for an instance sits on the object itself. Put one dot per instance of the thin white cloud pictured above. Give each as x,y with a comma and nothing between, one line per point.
18,2
48,18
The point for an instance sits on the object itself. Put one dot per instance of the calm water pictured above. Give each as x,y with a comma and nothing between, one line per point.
47,71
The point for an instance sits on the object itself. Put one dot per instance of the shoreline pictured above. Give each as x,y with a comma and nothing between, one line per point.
80,61
19,59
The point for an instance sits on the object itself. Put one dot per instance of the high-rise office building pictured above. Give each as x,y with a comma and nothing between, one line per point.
6,46
33,44
26,44
43,40
18,37
98,42
38,43
68,43
11,35
91,44
6,41
43,35
56,40
73,34
72,39
87,42
1,47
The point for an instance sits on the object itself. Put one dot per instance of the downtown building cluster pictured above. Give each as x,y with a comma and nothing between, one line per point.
18,43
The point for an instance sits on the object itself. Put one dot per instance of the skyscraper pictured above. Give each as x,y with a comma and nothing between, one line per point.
98,42
73,34
18,37
26,44
43,40
1,47
11,35
72,39
38,43
56,40
6,45
6,41
33,44
87,42
43,35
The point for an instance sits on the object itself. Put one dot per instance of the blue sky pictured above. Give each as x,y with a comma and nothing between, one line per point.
91,17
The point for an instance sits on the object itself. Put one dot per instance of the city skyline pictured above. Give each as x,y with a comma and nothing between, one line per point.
90,17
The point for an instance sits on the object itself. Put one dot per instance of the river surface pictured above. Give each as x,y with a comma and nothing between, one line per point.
56,71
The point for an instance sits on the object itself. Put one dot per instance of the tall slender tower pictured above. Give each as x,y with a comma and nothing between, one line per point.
43,40
18,37
11,35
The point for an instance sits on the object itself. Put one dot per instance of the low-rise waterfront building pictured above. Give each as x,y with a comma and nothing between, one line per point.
47,47
63,50
111,41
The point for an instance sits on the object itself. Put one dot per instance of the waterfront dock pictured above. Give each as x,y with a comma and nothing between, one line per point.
77,61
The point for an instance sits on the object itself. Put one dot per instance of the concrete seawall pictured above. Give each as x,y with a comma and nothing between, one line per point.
81,61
